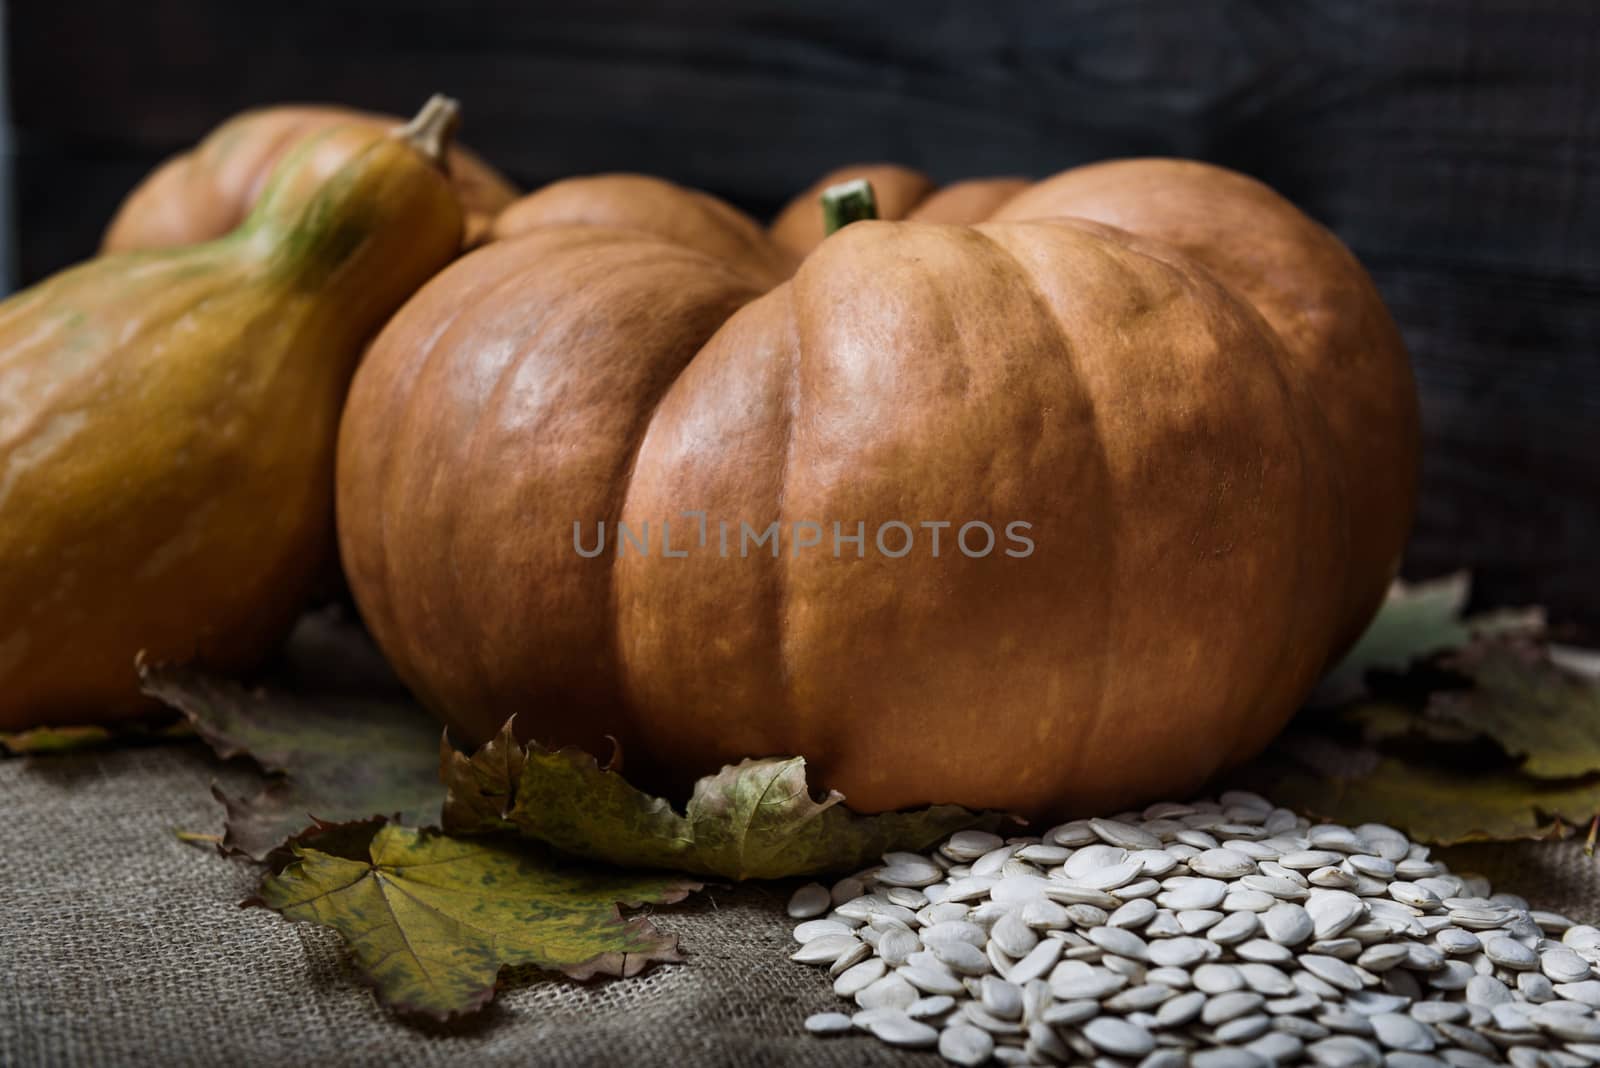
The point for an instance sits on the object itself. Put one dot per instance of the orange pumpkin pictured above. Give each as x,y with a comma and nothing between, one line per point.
1190,434
207,191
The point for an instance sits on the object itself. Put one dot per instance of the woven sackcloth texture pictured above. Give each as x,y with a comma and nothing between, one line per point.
120,945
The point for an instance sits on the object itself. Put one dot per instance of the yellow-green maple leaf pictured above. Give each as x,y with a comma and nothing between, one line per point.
432,919
752,820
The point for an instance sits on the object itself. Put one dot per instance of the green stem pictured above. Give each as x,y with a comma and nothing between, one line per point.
431,130
848,202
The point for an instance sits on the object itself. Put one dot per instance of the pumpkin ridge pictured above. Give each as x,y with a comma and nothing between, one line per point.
649,253
1068,350
625,479
1288,640
783,579
1304,407
1298,402
487,411
482,413
389,473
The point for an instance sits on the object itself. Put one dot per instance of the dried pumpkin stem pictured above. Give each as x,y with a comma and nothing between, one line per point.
848,202
432,129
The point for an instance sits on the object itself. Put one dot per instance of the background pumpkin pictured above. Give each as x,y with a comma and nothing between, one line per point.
1199,556
168,421
205,192
685,217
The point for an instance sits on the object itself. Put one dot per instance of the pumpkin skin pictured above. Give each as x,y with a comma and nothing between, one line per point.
168,422
207,191
1298,275
1189,505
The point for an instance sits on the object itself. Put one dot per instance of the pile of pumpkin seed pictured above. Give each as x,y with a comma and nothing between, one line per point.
1216,934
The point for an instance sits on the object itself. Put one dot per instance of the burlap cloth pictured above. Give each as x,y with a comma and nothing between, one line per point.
120,945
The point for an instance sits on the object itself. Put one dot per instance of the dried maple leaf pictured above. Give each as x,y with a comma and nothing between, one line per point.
1534,709
333,760
432,919
1438,805
1457,729
1416,621
36,741
754,820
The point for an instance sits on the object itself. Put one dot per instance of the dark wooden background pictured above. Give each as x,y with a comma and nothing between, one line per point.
1455,146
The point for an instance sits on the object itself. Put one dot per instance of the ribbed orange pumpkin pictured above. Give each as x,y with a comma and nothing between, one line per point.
1302,280
1188,392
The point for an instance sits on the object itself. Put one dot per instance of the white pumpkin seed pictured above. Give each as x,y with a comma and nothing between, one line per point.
857,978
1331,970
1001,997
1222,863
1192,893
1221,1008
1039,960
1584,993
1277,1048
1385,955
970,845
1509,953
1176,978
1210,935
963,958
1297,1003
932,980
1235,928
890,992
1266,980
928,1008
963,1044
1093,984
1402,1032
814,929
825,949
1046,856
1244,1029
1047,915
1345,1051
898,1029
1563,965
1135,914
810,901
828,1023
850,958
1124,834
1118,1037
896,947
1111,876
1263,951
